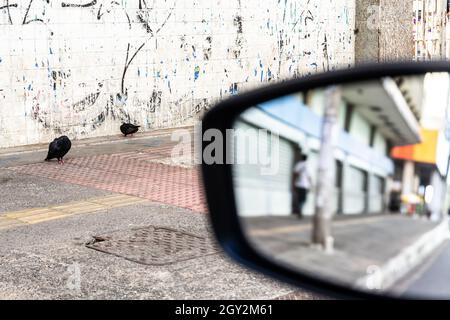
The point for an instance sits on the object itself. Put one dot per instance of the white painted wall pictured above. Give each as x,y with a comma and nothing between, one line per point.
62,63
360,128
380,143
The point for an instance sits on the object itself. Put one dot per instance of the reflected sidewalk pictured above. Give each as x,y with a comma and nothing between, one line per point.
380,248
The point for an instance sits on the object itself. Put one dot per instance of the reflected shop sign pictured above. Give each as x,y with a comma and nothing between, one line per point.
432,150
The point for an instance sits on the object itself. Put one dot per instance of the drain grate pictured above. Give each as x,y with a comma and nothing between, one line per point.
154,245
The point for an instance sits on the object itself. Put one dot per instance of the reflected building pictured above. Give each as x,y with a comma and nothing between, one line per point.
374,117
431,29
421,169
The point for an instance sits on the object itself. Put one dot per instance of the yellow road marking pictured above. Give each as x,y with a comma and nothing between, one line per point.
43,217
39,215
27,213
82,207
8,223
122,200
302,227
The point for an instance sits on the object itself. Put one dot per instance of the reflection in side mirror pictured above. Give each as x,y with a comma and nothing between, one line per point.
348,183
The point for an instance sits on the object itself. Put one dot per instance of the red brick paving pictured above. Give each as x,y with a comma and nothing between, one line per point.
131,173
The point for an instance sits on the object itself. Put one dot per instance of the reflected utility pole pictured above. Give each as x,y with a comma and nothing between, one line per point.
325,180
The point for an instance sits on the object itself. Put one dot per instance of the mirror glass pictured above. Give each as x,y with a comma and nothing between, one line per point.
348,183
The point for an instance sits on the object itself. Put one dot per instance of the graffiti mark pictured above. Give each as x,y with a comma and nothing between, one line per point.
143,16
77,5
326,63
88,101
304,17
238,23
128,62
7,6
58,78
60,74
280,49
101,13
25,21
309,17
239,37
196,73
115,113
201,106
155,101
234,89
207,51
37,113
142,6
26,13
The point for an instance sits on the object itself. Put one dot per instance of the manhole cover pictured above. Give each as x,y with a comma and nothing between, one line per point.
154,245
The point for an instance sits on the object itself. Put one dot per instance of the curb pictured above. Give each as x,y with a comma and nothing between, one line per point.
41,147
385,276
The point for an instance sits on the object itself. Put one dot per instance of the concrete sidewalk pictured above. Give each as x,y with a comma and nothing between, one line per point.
140,166
158,139
50,260
368,251
49,214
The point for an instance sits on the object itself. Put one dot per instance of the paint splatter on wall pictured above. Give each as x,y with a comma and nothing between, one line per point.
82,67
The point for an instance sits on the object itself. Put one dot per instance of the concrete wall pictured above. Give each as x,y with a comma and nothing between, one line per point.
384,30
396,30
367,31
81,67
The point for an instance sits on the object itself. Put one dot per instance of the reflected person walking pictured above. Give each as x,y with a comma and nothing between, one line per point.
303,182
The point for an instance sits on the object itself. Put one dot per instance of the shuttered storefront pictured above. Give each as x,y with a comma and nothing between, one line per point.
376,198
259,193
355,191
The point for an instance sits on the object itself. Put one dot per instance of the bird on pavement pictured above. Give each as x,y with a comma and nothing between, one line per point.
128,128
58,148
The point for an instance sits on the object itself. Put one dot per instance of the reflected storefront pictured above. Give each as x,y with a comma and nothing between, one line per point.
362,164
373,168
379,131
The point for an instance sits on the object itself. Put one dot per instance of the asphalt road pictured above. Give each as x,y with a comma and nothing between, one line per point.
431,280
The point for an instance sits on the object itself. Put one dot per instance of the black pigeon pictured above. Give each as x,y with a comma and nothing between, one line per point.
128,128
58,149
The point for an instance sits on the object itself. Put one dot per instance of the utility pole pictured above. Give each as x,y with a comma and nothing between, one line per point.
325,180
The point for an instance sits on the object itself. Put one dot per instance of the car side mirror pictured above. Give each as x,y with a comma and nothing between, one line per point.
337,182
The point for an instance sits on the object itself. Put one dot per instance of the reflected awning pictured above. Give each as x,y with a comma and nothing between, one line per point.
382,103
